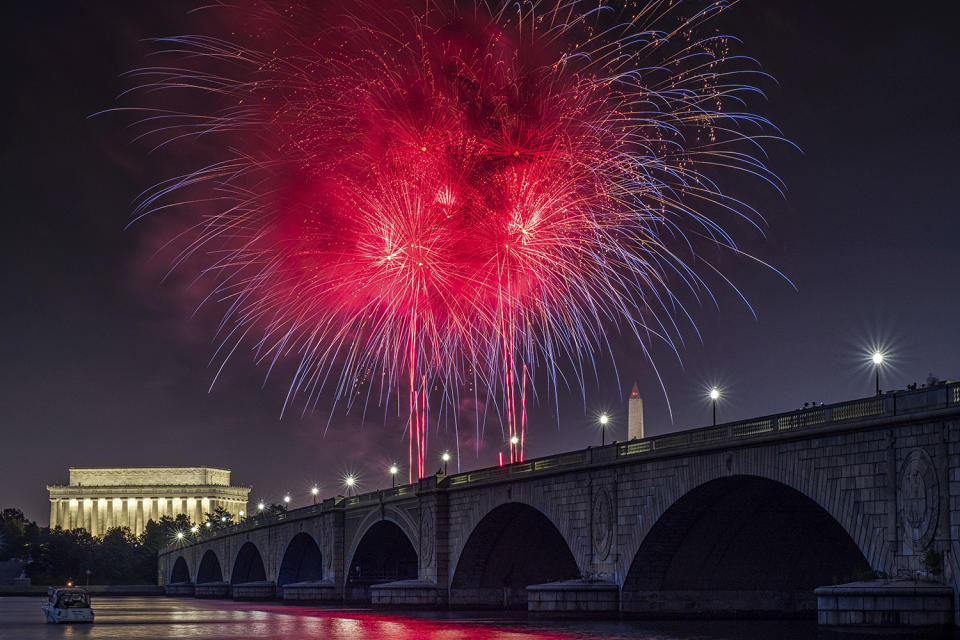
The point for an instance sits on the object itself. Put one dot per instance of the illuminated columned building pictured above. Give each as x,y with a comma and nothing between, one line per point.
99,499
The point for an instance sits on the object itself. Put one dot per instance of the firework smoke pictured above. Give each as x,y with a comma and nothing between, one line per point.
452,195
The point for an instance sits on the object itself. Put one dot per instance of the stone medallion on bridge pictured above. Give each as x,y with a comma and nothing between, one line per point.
919,498
427,535
602,523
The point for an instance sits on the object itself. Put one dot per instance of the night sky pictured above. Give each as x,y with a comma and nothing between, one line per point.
104,365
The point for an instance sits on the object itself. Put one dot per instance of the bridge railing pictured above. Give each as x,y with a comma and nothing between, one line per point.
889,404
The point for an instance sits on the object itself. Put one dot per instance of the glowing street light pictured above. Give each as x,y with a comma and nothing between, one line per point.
223,518
179,535
286,499
194,529
349,482
241,514
514,440
604,419
877,359
714,396
315,491
393,475
207,524
446,458
261,506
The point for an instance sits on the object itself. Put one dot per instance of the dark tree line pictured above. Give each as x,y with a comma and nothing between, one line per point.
54,556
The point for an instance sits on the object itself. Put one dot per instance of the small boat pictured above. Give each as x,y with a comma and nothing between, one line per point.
67,604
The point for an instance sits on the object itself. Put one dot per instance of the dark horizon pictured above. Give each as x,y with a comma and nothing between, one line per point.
106,367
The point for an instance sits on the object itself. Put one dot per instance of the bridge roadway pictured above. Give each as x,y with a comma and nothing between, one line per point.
744,517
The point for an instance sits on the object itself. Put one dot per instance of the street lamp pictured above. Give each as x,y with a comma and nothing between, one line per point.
194,529
241,514
877,358
315,491
261,507
604,419
514,441
349,482
393,475
714,396
446,458
179,535
286,499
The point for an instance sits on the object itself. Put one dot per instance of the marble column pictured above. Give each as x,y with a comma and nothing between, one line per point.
53,512
138,517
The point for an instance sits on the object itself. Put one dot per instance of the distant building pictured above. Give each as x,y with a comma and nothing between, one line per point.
99,499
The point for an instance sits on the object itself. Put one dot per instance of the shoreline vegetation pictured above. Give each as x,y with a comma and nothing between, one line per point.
118,557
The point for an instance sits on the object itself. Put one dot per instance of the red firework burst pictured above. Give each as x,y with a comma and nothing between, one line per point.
444,194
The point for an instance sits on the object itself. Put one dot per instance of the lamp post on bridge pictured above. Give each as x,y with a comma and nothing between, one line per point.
446,458
393,476
604,419
714,396
877,358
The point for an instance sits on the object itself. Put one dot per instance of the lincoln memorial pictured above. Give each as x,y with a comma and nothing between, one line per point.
99,499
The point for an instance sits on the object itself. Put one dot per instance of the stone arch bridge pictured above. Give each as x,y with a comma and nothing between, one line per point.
746,517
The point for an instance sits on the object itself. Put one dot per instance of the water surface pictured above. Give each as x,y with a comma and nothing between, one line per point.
132,618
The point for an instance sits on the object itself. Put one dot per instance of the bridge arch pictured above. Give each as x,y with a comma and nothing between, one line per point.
383,550
209,569
180,573
740,542
513,546
248,565
302,561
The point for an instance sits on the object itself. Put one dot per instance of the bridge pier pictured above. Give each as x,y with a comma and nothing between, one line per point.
179,589
213,590
574,597
260,590
311,591
408,593
886,603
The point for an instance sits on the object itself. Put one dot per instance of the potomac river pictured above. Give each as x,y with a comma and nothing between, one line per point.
132,618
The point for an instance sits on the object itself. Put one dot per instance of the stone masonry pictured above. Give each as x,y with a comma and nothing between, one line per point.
877,479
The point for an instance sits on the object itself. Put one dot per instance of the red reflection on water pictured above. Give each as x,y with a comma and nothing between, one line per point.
327,623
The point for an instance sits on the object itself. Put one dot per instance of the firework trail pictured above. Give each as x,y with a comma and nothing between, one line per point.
436,196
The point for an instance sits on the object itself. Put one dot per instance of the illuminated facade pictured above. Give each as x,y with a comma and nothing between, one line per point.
100,499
